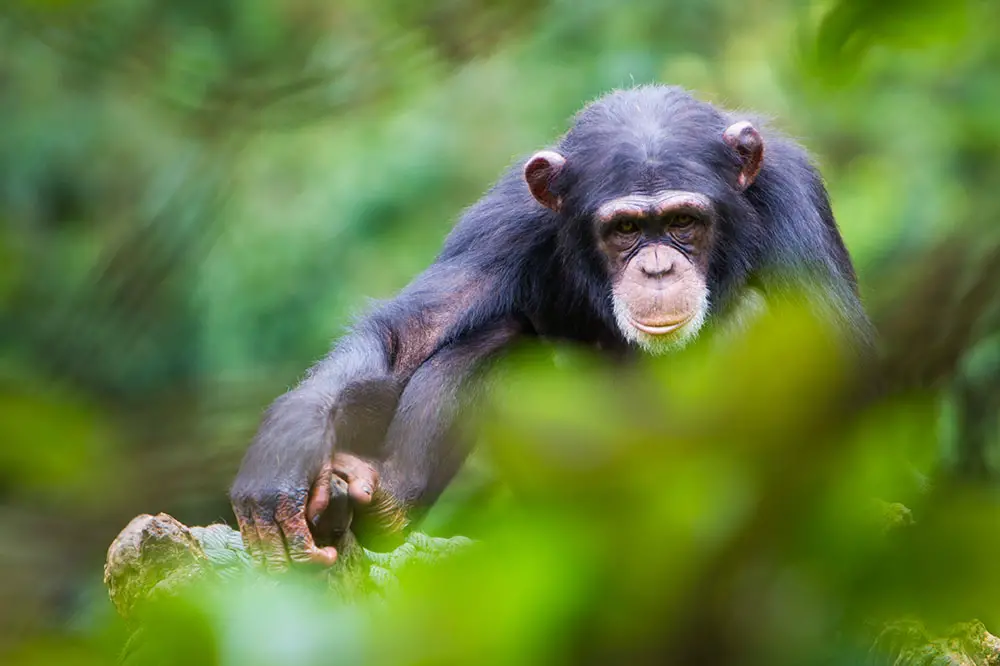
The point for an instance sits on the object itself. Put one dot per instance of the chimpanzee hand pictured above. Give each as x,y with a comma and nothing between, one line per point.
346,484
275,525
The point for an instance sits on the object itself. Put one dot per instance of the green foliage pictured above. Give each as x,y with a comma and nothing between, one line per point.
196,196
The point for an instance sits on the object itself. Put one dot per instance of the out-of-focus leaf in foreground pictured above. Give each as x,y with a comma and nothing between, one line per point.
722,506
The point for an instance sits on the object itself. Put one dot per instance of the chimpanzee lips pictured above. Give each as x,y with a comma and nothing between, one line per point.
660,328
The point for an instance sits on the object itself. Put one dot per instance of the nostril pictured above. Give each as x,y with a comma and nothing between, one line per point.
657,272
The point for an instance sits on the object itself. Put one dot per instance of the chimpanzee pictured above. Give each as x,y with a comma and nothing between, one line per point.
655,215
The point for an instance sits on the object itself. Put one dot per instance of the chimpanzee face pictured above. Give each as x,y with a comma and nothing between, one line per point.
655,244
656,250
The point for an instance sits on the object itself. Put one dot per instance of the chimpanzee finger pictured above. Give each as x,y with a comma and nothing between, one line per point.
272,543
328,527
361,477
319,497
303,550
291,520
248,530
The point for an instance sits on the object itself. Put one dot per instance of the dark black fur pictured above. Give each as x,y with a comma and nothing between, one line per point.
535,272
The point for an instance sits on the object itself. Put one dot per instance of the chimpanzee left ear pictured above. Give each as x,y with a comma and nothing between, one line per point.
539,173
748,144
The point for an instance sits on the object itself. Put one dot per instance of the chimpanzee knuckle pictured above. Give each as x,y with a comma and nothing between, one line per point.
289,508
260,505
241,498
300,556
244,516
300,546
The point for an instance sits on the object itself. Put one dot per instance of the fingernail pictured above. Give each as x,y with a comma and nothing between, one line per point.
367,489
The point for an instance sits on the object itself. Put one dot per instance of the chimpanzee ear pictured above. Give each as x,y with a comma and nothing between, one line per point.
748,144
539,173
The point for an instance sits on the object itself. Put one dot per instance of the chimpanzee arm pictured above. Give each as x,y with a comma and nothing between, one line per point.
802,239
425,444
295,441
348,400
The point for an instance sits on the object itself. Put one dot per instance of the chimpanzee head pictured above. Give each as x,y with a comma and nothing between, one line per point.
648,189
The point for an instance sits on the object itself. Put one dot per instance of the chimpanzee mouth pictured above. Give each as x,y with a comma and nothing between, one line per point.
660,329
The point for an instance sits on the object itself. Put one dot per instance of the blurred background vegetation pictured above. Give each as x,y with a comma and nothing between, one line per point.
195,197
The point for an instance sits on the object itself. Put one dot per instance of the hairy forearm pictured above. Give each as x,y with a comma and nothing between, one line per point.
428,441
297,433
294,435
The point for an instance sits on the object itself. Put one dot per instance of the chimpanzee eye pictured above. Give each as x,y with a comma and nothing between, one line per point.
626,227
683,222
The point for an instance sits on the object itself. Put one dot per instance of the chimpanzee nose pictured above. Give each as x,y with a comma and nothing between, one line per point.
657,264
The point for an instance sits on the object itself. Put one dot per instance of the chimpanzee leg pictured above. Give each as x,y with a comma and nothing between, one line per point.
424,446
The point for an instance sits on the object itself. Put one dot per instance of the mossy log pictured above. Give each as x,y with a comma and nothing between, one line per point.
158,555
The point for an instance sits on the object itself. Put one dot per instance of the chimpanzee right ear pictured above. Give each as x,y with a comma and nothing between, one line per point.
540,172
749,146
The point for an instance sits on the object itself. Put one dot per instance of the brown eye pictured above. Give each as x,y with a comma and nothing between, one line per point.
626,227
683,222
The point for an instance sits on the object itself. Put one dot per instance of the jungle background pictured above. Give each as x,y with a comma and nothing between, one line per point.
195,198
